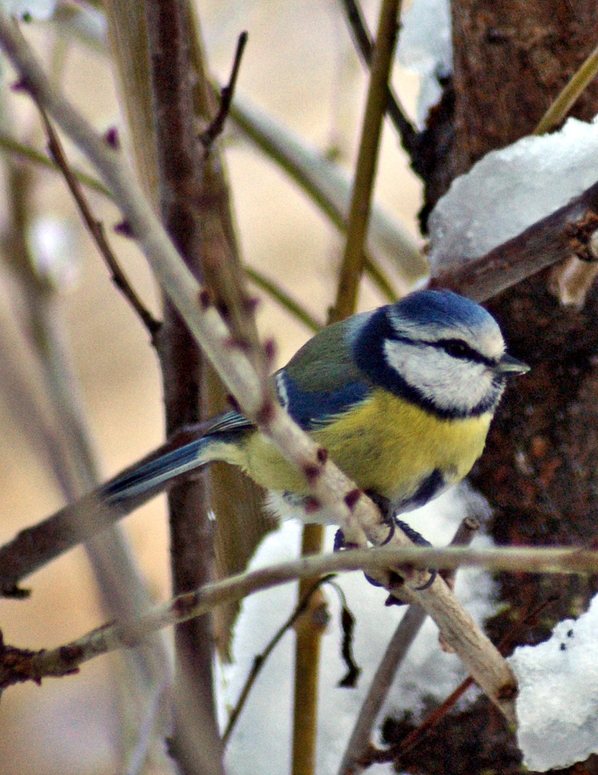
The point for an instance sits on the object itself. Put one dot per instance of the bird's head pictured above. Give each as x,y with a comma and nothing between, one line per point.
438,350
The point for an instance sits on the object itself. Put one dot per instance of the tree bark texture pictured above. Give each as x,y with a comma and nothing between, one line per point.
195,743
540,467
510,60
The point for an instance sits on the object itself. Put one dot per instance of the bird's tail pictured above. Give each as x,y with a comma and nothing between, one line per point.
150,475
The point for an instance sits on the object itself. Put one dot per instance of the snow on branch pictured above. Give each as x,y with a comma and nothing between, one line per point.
518,210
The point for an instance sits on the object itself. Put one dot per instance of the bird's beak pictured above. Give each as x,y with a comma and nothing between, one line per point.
508,366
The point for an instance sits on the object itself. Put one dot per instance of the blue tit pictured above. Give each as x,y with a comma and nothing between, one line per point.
401,397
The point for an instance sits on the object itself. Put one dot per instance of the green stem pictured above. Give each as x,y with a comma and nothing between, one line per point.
569,95
361,195
10,145
307,669
307,644
285,300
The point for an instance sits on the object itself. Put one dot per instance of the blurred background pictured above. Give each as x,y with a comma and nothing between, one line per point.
300,67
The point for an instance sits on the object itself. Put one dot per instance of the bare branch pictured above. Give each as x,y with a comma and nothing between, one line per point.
96,229
361,194
365,46
18,665
226,96
11,145
566,232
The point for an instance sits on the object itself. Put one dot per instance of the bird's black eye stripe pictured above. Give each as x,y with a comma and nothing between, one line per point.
457,348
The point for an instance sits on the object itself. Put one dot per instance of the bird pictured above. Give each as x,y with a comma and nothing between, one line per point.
401,397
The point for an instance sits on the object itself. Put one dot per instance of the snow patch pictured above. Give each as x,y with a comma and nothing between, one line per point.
557,705
512,188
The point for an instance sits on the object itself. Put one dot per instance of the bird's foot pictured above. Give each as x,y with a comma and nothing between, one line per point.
390,518
389,515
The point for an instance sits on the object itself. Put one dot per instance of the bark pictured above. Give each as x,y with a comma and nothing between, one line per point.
195,743
540,467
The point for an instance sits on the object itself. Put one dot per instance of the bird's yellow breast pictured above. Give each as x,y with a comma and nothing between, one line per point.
384,444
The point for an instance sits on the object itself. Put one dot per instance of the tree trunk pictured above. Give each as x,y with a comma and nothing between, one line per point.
540,467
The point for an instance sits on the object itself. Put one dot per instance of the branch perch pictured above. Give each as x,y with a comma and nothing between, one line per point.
566,232
19,665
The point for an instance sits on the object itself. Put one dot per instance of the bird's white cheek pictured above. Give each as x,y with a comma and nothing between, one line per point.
450,383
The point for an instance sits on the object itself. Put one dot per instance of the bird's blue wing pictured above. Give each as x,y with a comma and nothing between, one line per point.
322,380
309,409
314,408
229,422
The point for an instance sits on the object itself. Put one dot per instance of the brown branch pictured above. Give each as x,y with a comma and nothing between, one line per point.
179,166
226,97
36,546
561,234
95,228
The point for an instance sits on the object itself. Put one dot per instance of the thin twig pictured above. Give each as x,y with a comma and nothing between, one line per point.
365,46
227,92
285,300
379,279
260,659
347,626
395,653
569,95
96,229
17,666
11,145
35,546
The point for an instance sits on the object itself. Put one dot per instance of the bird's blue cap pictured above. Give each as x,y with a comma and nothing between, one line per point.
433,314
443,307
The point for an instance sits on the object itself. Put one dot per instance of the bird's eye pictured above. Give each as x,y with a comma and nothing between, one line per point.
456,348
